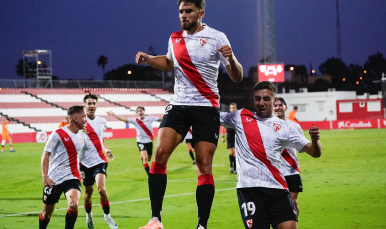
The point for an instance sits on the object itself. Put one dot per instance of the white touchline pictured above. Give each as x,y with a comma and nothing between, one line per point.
120,202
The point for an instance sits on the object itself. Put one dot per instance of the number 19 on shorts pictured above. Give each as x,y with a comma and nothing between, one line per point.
249,208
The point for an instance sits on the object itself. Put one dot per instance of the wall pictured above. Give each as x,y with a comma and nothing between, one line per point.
359,109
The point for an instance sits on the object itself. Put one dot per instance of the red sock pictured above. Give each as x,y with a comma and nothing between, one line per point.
88,207
106,207
43,222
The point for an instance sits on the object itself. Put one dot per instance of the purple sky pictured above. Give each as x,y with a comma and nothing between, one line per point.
78,32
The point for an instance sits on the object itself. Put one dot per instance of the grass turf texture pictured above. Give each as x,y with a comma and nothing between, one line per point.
345,188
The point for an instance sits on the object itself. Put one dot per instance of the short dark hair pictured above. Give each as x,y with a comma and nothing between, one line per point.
75,109
282,101
265,85
233,104
295,108
90,96
140,108
198,3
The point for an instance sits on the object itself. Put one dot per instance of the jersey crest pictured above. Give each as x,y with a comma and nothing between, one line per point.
203,41
276,127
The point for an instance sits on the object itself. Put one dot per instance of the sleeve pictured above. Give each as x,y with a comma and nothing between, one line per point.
299,128
52,143
221,41
104,124
131,120
153,118
169,55
295,139
227,119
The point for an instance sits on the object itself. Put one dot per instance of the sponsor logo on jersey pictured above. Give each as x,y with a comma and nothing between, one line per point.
276,127
66,139
178,40
249,223
248,120
203,41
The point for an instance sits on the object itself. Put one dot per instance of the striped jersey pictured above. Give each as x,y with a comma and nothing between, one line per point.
144,128
196,62
259,143
65,148
289,159
93,149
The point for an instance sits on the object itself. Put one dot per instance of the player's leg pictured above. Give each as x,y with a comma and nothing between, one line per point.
287,225
282,211
145,159
45,216
72,197
10,144
233,155
2,144
88,183
295,186
191,150
100,180
252,208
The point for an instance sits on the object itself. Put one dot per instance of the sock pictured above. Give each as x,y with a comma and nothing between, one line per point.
43,222
2,147
231,161
88,207
71,218
146,166
10,146
234,162
204,198
157,187
106,207
191,154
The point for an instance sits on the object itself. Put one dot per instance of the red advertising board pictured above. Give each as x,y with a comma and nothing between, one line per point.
355,124
271,72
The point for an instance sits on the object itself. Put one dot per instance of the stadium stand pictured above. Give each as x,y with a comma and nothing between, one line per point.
43,109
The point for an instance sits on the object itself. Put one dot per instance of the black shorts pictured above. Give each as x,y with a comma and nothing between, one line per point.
89,174
294,183
205,122
188,141
261,207
51,196
230,142
146,146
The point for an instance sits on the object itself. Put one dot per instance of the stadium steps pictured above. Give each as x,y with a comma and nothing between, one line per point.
118,104
52,104
155,96
18,121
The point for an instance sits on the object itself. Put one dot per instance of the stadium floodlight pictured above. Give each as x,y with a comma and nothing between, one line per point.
41,70
273,72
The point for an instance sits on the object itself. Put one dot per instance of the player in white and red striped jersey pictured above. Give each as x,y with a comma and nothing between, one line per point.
260,138
188,141
195,54
93,163
59,164
143,127
289,159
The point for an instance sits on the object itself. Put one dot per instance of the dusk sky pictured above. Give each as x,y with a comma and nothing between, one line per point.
78,32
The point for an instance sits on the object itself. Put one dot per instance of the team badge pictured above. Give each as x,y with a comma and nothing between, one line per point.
45,197
203,41
249,223
276,127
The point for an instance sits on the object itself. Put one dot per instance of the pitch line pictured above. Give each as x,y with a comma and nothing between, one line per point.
119,202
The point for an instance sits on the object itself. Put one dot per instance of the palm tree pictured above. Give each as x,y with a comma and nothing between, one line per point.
102,61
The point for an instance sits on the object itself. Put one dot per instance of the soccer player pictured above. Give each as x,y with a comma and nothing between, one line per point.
231,141
195,54
64,122
59,164
289,159
93,164
292,115
144,129
262,191
188,141
6,135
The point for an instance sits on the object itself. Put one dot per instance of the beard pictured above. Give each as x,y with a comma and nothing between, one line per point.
189,26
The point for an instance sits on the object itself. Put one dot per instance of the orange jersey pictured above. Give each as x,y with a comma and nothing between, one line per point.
4,132
291,116
61,124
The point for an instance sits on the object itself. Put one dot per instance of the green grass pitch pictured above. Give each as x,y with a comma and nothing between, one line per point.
345,188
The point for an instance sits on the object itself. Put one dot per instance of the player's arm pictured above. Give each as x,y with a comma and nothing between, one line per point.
314,148
108,152
44,165
117,116
234,69
159,62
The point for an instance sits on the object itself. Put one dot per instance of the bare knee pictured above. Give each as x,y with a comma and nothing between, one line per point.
102,191
161,155
204,166
73,206
46,215
88,193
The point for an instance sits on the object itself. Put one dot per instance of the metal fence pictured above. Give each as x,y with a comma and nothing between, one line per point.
34,83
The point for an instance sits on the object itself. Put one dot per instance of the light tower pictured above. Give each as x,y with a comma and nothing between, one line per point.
269,34
338,38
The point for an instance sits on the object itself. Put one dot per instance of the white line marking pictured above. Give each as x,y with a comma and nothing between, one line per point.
120,202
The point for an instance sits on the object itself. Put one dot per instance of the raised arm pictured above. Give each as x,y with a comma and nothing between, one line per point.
44,166
234,69
117,116
159,62
314,148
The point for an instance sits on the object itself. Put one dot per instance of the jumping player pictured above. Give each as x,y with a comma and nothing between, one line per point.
262,191
93,164
188,141
289,159
144,129
6,135
59,164
231,141
195,54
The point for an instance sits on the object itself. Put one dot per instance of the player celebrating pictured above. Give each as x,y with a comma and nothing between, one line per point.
144,129
262,192
231,141
93,164
6,135
289,159
59,166
188,141
195,54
